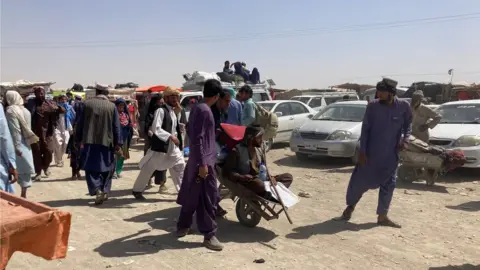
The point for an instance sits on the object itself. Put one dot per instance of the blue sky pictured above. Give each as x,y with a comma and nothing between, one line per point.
324,56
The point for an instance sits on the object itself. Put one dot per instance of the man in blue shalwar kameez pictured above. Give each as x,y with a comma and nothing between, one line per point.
386,120
8,168
98,130
199,192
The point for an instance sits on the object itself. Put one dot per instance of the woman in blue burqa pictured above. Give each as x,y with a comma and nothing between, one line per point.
386,125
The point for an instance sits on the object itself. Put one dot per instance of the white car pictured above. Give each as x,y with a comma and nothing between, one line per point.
317,102
459,129
332,132
291,114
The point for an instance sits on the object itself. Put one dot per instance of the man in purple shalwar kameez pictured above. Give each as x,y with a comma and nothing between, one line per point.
386,120
199,193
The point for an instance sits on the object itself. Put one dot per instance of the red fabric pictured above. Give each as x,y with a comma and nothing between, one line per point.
455,159
231,135
233,131
462,95
131,110
123,119
33,228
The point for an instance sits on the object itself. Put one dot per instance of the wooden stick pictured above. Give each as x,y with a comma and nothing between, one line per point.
280,200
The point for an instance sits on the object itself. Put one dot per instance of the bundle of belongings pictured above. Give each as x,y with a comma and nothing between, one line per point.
126,85
23,87
242,159
420,154
113,94
240,73
192,81
77,87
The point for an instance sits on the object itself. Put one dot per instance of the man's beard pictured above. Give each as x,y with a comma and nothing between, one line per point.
383,101
386,101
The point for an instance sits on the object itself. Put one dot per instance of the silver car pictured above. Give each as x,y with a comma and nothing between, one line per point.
332,132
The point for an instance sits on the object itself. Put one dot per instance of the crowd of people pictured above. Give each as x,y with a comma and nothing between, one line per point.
27,136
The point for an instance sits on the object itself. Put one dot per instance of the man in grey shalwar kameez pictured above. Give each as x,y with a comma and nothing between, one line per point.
386,120
424,118
199,193
98,130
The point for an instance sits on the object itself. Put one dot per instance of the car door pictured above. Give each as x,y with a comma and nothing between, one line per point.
188,101
300,114
285,122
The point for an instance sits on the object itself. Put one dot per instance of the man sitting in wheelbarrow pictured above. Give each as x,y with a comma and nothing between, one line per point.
244,162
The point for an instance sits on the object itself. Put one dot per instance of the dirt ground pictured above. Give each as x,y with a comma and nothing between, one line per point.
440,225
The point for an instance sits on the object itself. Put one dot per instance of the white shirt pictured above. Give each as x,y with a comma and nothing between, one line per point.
173,156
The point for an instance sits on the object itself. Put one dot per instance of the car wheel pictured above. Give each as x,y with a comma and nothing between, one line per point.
268,145
301,156
356,155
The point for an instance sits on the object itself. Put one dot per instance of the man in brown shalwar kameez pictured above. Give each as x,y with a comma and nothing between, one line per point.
44,118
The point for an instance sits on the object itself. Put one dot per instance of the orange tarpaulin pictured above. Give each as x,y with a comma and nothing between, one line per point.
32,227
153,88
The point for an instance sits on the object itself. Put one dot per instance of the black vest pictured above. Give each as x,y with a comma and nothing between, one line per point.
158,145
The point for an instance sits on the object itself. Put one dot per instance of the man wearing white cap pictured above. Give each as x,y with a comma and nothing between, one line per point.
166,144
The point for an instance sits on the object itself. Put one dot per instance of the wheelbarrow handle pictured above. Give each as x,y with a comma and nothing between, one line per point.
272,184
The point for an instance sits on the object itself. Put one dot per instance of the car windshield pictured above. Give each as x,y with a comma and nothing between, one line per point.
315,102
350,113
259,96
301,99
460,113
268,106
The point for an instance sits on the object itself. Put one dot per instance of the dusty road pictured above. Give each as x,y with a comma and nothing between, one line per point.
440,226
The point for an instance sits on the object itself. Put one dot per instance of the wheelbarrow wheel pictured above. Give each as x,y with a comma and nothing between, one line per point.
406,174
247,215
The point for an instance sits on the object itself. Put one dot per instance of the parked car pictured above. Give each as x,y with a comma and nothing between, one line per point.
369,94
433,106
317,102
291,114
332,132
459,129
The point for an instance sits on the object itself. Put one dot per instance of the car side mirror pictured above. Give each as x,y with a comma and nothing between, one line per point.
310,116
279,114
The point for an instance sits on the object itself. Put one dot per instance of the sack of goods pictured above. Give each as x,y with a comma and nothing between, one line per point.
230,78
113,94
267,120
419,154
200,77
23,87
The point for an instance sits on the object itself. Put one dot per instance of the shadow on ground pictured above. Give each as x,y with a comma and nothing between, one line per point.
165,220
331,226
472,206
466,266
317,163
130,167
117,199
460,175
421,186
49,180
